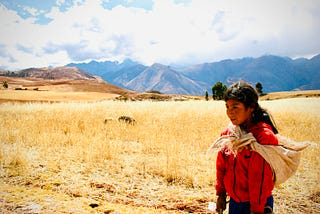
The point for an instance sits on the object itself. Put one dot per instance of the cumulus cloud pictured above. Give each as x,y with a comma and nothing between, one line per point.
4,53
168,32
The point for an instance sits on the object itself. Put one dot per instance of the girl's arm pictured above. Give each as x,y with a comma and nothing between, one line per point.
220,172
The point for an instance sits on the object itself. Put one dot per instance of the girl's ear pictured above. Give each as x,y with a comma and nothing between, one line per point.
252,107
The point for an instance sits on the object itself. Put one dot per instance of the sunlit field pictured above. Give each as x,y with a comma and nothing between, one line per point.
78,158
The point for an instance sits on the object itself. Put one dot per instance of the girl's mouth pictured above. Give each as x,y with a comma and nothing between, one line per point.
233,120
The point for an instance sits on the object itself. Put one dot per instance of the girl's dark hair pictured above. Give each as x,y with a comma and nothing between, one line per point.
246,94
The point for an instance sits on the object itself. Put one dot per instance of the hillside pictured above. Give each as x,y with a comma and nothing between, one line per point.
123,76
26,89
275,73
57,84
291,94
63,78
163,78
63,72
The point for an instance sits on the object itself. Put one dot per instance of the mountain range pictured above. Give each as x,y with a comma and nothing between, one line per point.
275,73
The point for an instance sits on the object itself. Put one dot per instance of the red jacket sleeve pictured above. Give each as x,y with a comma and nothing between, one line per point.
220,172
260,180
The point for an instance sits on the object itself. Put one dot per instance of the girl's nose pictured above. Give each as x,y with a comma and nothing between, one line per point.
229,112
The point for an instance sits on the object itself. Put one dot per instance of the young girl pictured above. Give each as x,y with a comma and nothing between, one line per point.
243,174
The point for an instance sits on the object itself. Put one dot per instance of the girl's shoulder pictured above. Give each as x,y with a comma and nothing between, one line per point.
264,134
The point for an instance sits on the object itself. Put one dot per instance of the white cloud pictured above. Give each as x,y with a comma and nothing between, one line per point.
196,32
33,11
60,2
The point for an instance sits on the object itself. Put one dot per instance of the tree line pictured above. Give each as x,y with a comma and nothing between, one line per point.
13,74
219,89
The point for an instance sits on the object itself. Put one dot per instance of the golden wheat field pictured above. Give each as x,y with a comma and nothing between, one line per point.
76,157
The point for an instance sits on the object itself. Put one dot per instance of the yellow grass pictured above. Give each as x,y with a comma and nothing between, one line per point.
62,157
291,94
53,96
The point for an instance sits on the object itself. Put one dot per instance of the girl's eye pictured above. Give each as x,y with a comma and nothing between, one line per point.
231,107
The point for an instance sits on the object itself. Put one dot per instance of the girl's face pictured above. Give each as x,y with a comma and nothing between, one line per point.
238,113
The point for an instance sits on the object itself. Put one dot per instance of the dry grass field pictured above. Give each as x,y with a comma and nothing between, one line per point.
76,157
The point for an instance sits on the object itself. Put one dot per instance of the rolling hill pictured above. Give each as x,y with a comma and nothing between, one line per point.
63,72
60,79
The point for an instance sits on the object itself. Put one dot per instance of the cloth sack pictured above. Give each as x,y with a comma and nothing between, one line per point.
283,159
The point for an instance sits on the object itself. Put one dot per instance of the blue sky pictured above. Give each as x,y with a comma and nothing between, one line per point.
41,33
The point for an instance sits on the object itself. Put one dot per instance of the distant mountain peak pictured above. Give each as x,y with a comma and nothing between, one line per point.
316,57
164,79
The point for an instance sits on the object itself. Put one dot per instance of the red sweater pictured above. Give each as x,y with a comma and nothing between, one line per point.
247,177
